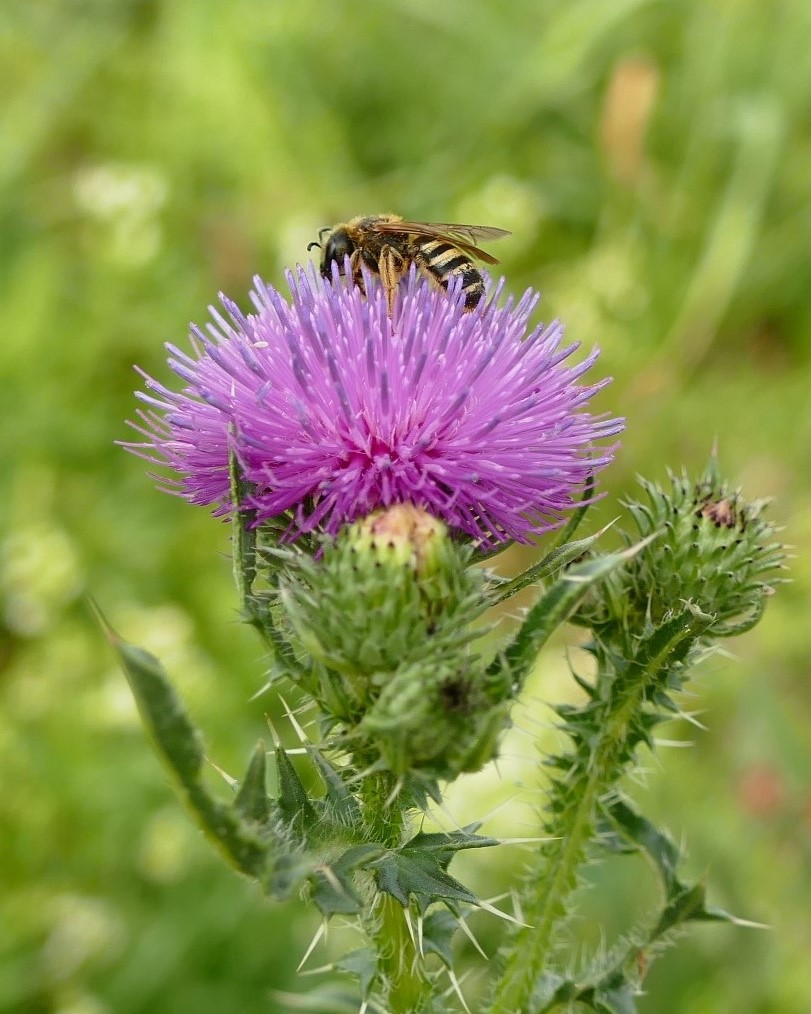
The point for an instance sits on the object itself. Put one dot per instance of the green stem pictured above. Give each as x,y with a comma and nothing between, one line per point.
401,969
382,813
557,878
592,775
406,986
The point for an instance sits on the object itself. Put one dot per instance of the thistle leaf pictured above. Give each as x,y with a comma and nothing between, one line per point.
251,801
361,963
294,804
178,744
438,929
443,845
343,804
420,875
334,891
554,561
614,996
554,607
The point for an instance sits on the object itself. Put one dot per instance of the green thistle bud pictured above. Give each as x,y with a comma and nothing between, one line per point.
387,612
713,550
440,717
390,589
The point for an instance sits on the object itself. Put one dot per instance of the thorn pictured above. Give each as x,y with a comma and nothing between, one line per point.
364,774
329,874
320,932
302,736
502,915
410,925
527,841
395,792
500,806
318,971
463,926
457,988
273,736
262,690
518,911
232,783
690,716
443,809
749,924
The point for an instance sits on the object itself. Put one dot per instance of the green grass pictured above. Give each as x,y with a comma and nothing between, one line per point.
652,160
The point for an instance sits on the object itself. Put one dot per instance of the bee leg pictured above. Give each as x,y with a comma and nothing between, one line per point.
357,274
391,266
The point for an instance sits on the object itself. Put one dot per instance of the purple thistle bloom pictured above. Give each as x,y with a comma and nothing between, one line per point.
334,410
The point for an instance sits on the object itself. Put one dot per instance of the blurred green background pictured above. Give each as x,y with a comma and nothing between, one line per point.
652,160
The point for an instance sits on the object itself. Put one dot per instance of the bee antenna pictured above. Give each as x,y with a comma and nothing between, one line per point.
322,230
314,243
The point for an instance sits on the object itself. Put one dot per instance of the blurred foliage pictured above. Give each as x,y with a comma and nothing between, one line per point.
653,161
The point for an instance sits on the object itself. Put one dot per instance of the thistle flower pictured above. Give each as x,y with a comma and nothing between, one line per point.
335,409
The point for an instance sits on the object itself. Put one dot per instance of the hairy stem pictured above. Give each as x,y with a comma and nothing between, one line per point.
406,986
401,970
596,765
572,830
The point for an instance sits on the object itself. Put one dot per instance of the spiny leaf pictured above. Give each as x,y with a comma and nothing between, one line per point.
252,799
441,847
554,561
322,1000
641,834
334,891
288,873
615,996
420,875
344,805
553,608
178,744
438,929
361,963
672,640
294,803
690,905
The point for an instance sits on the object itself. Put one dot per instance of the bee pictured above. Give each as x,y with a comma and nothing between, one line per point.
388,245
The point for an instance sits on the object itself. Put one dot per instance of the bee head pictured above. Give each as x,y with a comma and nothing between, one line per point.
337,247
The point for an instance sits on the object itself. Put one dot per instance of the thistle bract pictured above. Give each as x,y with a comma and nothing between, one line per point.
335,408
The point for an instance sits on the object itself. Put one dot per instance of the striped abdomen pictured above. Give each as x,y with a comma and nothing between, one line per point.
442,261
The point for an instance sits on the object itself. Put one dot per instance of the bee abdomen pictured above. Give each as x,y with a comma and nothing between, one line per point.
445,261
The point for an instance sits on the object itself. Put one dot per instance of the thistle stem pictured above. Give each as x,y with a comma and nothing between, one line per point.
556,877
595,767
406,986
382,813
401,969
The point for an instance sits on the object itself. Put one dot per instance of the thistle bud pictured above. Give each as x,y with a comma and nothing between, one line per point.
710,548
387,612
388,590
441,717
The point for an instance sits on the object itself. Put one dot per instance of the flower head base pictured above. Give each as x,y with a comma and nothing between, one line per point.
334,409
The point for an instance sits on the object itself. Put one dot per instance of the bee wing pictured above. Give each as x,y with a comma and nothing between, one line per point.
462,236
471,233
